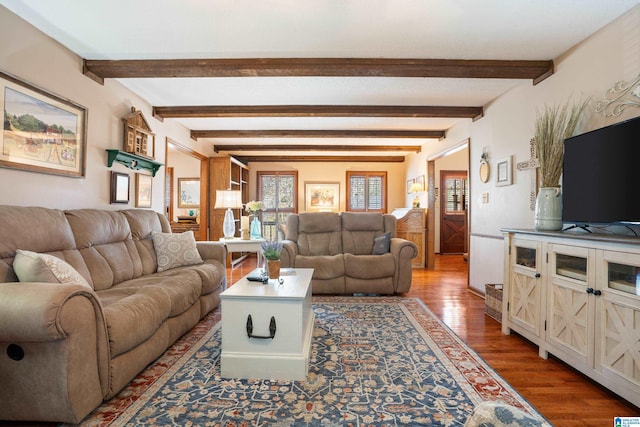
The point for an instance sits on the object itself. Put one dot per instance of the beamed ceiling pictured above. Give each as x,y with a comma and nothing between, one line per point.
329,80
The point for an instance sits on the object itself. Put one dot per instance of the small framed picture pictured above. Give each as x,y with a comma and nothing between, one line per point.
119,187
504,172
143,190
409,184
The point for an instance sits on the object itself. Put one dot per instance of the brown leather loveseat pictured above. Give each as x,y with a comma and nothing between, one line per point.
350,252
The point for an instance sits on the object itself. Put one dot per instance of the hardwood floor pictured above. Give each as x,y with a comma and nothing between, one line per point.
564,396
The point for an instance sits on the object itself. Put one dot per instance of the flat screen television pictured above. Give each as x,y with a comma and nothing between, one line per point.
601,176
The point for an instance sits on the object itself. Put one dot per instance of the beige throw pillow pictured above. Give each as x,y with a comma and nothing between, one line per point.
175,250
34,267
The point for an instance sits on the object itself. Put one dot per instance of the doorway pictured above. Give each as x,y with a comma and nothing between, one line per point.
183,163
454,189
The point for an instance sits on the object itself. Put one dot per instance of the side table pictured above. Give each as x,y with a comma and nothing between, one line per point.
239,245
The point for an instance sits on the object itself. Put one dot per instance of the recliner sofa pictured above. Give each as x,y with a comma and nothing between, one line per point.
68,343
343,249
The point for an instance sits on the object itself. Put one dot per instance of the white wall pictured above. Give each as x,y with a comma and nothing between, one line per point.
588,70
32,56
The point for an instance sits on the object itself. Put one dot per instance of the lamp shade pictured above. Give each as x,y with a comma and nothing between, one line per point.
415,188
228,199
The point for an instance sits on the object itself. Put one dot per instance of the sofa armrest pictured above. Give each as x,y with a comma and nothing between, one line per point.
212,250
403,251
288,254
54,353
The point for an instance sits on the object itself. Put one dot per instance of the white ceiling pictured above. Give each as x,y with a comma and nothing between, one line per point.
431,29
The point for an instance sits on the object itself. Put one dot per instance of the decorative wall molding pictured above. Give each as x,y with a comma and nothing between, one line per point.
619,97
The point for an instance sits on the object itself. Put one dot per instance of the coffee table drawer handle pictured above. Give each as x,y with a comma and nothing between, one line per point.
272,329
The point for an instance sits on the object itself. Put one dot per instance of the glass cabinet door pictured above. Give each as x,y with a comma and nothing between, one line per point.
573,267
625,278
525,288
526,257
570,304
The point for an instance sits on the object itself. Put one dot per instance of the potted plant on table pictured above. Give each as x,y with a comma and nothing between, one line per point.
552,127
271,251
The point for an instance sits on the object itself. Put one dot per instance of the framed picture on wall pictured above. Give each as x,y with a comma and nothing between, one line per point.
322,196
143,190
188,192
42,132
504,172
409,184
119,188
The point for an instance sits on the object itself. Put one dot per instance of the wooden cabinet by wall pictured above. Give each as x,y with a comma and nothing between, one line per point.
578,298
178,227
226,173
412,226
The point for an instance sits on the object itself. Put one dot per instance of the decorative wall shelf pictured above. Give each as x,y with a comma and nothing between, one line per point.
132,161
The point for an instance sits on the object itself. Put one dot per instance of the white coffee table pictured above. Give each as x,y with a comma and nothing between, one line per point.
286,354
237,244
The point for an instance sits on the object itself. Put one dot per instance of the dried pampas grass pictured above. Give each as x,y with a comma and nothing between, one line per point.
552,127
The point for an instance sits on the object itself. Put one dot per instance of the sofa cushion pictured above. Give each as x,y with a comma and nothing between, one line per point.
369,266
104,241
359,230
324,267
211,272
34,267
381,244
319,233
175,250
133,314
143,223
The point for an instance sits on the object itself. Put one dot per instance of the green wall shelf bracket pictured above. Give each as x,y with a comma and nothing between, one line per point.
132,161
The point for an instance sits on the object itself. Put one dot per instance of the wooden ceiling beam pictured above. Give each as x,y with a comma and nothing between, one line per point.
325,133
225,111
318,148
321,159
323,67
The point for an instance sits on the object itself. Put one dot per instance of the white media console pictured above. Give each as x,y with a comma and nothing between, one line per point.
577,296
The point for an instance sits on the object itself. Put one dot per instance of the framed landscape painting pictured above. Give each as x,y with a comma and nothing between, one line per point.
42,132
322,196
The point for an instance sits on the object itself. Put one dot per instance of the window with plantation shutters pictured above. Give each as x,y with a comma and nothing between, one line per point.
366,191
278,192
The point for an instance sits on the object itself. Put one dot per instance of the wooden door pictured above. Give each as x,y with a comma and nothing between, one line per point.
453,211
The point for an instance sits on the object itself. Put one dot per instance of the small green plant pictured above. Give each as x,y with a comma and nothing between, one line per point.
271,249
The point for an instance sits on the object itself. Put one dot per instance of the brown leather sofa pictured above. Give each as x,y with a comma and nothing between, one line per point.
66,346
348,252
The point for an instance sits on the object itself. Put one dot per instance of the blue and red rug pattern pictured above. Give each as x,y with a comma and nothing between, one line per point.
376,361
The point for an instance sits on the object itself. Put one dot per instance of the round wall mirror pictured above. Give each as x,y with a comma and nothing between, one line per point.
484,171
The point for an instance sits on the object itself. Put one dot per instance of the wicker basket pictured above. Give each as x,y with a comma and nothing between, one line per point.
493,301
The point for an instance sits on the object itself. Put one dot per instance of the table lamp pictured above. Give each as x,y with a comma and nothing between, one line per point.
416,188
228,199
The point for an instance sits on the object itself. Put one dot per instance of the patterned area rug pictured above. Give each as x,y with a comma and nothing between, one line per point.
375,362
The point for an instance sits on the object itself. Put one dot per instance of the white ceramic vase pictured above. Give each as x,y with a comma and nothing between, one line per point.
549,209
